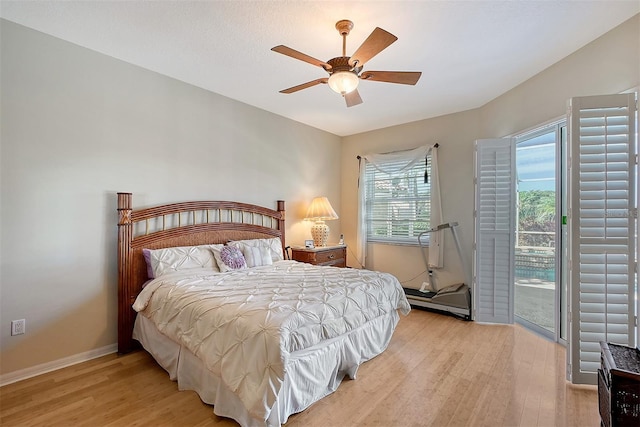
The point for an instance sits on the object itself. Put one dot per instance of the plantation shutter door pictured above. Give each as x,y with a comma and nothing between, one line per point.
602,218
495,213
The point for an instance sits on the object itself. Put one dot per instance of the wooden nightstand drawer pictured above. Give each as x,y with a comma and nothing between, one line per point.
332,255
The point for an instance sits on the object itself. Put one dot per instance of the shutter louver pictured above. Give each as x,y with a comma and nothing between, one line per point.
602,219
494,234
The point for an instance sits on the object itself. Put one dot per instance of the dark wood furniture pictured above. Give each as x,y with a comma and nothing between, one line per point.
335,256
619,385
179,224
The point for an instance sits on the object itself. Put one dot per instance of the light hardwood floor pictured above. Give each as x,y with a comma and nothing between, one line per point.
437,371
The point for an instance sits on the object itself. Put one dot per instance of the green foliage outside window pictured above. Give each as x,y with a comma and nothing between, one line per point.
536,213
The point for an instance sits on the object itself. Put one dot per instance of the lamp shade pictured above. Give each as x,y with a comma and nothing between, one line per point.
343,82
321,210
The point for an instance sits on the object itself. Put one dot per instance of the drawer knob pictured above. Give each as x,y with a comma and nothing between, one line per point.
332,256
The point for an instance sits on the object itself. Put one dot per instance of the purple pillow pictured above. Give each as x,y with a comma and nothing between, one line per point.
147,257
232,257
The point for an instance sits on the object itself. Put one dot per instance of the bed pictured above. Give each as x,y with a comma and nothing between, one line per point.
205,288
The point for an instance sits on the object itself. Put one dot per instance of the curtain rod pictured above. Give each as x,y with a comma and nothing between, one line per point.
436,145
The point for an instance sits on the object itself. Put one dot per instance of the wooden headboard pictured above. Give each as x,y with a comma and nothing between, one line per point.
179,224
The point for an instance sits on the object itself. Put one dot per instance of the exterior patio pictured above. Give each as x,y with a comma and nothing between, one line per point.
534,301
535,285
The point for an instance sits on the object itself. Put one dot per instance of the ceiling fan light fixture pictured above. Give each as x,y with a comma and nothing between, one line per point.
343,82
345,71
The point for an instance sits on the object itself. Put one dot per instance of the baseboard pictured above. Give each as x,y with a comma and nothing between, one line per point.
33,371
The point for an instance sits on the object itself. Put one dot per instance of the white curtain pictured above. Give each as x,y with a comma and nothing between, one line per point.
436,244
402,161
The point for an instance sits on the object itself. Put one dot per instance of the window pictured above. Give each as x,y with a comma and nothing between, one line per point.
397,204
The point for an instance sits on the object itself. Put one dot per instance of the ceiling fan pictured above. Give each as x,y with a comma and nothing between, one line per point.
346,71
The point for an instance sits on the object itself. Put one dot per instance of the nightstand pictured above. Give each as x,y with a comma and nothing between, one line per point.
335,256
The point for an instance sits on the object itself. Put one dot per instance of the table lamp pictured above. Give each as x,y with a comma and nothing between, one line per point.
320,211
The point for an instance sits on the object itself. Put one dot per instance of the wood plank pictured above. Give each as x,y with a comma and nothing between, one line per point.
438,370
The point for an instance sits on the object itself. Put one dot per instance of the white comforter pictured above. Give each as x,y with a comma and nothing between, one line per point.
243,324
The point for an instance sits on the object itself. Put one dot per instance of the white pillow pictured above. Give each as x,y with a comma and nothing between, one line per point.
256,256
168,260
273,244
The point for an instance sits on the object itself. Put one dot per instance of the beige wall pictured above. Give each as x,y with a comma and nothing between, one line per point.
454,133
77,127
610,64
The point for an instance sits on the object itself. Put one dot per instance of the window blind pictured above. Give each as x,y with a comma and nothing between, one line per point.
397,204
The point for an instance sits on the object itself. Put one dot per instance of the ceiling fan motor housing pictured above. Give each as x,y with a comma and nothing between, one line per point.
341,63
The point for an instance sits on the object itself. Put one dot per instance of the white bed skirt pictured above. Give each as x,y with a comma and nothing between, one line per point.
311,374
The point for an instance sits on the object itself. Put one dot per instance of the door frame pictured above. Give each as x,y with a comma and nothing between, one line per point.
560,307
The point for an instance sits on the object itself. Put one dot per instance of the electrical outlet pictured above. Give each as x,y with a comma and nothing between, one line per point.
18,327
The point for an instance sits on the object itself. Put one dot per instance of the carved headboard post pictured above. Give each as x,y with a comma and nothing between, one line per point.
280,209
126,314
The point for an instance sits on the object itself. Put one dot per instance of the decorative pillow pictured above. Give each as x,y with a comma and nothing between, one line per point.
229,258
168,260
256,256
147,258
273,244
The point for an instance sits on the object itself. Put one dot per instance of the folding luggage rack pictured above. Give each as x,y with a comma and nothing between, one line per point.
454,299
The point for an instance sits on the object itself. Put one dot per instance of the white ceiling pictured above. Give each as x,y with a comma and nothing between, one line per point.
469,52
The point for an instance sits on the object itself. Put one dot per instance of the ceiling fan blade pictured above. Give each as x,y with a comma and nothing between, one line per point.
301,56
353,98
377,41
305,85
401,77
